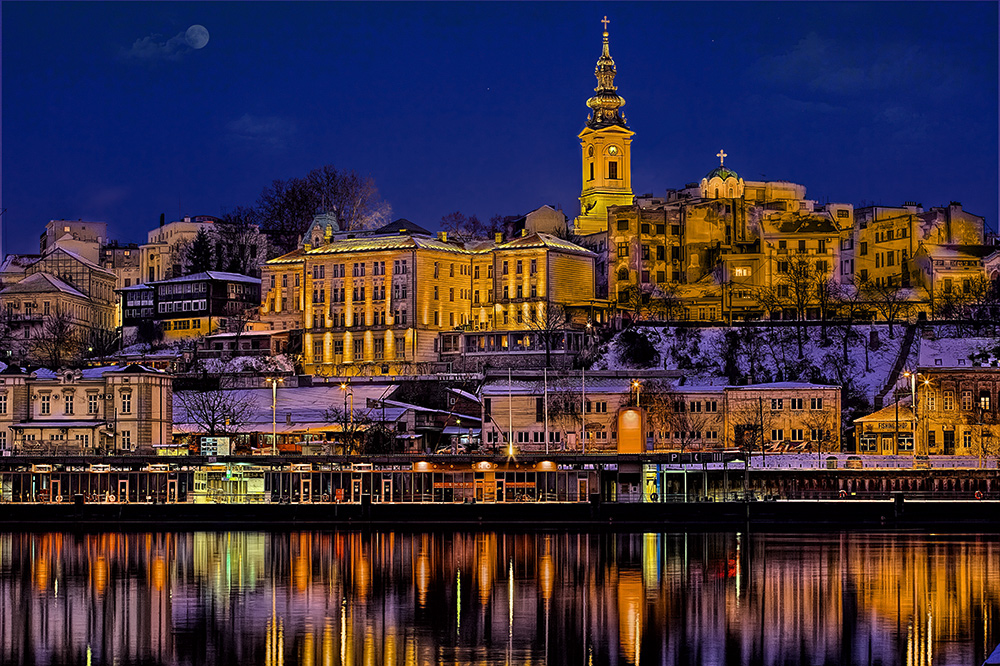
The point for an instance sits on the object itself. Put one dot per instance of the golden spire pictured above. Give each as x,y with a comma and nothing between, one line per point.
606,104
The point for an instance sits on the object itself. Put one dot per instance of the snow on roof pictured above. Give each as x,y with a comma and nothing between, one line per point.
304,406
40,283
16,263
211,275
523,387
464,394
954,352
783,385
888,413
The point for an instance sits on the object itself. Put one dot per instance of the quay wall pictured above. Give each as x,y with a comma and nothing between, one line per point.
896,513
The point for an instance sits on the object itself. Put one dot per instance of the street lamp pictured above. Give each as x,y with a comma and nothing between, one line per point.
637,386
348,392
912,376
274,381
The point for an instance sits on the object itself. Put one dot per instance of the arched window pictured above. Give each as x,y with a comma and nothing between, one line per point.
590,151
730,193
716,193
623,274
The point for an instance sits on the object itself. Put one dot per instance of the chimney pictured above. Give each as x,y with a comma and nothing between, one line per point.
443,236
498,237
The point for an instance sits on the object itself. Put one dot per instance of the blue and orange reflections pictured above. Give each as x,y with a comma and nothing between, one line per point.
455,597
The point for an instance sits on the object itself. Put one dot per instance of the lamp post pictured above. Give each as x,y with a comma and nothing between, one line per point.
912,376
274,381
637,386
348,415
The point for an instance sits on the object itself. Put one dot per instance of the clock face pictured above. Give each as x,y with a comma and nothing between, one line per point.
612,150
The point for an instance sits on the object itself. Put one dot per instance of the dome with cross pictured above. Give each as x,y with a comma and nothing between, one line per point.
721,181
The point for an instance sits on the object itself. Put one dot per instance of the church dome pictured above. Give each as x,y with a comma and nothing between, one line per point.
723,173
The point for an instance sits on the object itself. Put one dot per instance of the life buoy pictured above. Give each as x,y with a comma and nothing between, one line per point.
112,499
58,498
979,494
842,494
326,497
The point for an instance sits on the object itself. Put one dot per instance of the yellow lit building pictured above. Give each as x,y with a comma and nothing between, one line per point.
606,145
383,302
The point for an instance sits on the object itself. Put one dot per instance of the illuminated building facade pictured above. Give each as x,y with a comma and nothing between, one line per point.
85,411
59,283
191,306
794,417
726,248
956,386
384,302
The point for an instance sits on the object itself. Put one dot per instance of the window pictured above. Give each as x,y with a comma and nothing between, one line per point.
46,405
984,400
359,349
815,403
864,248
612,170
451,270
931,402
520,267
967,439
797,435
782,266
777,435
435,293
3,404
126,403
796,403
711,406
777,403
695,406
126,439
451,294
534,266
966,401
68,404
622,249
949,401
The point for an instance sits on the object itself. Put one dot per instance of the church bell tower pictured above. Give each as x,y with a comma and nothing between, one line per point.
606,150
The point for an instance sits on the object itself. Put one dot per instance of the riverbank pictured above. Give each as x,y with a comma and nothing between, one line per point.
899,513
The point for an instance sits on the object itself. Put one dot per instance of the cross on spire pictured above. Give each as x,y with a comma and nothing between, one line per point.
605,21
722,157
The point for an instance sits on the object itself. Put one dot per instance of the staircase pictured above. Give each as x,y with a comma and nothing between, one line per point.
893,378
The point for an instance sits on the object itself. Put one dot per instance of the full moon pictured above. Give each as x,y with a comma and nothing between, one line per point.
196,36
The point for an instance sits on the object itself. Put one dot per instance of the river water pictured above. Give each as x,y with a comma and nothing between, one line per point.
321,598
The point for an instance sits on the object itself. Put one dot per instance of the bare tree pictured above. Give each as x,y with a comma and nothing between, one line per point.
217,411
240,247
58,343
822,426
798,287
749,421
101,343
889,298
463,228
828,292
670,410
286,207
549,321
177,259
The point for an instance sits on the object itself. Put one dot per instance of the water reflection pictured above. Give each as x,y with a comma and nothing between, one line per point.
320,598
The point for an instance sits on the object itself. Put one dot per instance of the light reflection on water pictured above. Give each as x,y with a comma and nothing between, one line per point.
323,598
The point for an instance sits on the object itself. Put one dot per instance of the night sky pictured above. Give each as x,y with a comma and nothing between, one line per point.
110,114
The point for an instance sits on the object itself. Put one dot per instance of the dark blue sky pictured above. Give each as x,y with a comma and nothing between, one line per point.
109,115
